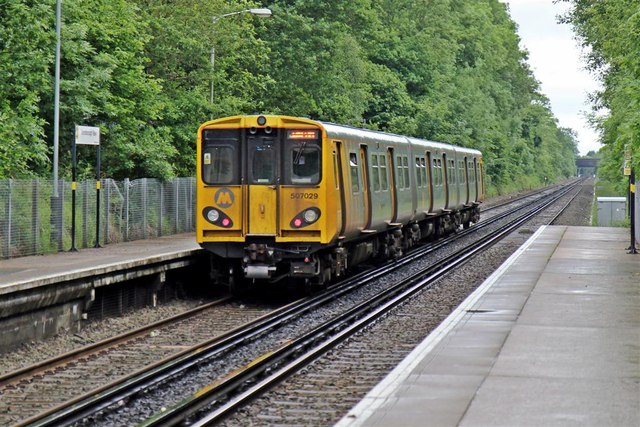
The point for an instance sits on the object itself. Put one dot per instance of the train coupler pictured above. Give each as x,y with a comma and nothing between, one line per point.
309,267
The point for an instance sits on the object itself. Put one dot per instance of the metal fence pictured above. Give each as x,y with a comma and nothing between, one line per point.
33,221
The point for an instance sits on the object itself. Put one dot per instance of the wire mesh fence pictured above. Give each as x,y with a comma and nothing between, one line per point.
34,220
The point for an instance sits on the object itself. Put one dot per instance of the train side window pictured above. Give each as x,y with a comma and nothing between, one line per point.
375,177
451,173
461,176
353,164
405,169
384,181
399,174
418,173
439,171
472,173
423,164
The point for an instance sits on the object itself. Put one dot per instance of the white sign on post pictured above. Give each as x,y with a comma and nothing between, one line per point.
87,135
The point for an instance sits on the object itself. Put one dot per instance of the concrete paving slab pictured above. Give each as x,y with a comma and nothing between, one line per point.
551,339
536,402
425,406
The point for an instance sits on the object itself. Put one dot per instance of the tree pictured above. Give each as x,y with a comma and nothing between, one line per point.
610,32
24,82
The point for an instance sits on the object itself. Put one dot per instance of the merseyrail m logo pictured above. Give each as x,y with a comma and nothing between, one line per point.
224,198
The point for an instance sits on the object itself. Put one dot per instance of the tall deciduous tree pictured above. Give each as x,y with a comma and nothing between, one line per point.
610,32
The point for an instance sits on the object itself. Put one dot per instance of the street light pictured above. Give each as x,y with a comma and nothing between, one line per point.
260,12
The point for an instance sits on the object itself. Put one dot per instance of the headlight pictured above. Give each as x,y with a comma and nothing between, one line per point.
213,215
310,215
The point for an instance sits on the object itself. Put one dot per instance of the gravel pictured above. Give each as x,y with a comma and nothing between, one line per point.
351,388
329,388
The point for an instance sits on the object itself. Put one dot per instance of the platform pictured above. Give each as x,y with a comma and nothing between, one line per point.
42,295
38,270
552,338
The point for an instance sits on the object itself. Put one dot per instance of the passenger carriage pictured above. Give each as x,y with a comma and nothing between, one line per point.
286,197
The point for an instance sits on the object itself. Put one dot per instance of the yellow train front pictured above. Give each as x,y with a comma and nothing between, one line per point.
283,197
267,198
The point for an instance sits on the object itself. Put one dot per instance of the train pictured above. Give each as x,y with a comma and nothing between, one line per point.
282,197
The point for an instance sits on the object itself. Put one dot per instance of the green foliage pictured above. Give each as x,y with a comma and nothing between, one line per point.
610,32
445,70
24,80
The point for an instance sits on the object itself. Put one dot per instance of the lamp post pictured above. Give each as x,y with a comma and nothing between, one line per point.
260,12
56,107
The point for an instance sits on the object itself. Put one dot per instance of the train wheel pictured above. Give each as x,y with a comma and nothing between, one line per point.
319,283
238,285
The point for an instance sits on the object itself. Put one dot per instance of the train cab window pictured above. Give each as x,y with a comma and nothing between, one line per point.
302,157
353,165
220,156
263,160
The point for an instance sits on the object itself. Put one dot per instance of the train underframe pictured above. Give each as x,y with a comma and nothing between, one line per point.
239,265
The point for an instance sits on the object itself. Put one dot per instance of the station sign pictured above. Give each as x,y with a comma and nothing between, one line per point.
87,135
627,160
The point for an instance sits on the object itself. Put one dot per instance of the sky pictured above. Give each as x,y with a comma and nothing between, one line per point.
556,61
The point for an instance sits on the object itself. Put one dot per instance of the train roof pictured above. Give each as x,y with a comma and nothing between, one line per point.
365,135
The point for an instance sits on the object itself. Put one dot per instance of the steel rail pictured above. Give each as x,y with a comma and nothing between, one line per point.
342,327
80,408
564,207
70,356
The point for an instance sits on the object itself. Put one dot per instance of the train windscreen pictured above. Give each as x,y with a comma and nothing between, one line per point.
220,156
302,157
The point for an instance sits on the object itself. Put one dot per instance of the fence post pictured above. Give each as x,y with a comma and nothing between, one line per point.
85,213
107,213
191,204
176,211
35,228
160,208
61,213
126,209
7,241
144,208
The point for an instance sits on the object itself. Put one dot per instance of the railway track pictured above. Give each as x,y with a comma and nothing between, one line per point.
248,364
93,367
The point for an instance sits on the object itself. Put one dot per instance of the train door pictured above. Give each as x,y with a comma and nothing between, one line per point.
263,181
392,186
340,183
365,185
480,177
430,180
471,180
463,180
445,181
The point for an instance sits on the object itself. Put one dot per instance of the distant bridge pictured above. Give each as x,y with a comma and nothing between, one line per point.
587,165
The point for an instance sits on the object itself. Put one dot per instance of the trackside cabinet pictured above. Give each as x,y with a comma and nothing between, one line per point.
611,210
